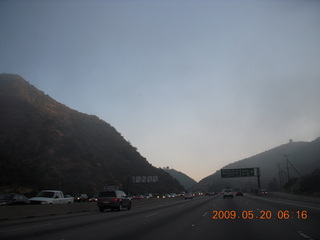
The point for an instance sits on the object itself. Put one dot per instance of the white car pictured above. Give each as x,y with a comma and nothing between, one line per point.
51,197
227,193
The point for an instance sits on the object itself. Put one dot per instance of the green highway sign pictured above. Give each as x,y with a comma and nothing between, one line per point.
239,172
247,172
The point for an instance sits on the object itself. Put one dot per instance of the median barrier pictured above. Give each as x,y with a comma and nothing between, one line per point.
31,211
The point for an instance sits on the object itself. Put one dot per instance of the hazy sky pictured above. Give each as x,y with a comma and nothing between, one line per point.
194,85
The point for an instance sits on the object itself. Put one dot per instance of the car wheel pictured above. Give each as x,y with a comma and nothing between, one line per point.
120,207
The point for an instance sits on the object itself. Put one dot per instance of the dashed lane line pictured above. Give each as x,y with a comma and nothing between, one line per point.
304,235
24,228
151,215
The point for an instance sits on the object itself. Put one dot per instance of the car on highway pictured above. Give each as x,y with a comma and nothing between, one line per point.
114,199
188,196
210,193
171,195
147,195
13,199
181,194
51,197
159,195
227,193
264,192
93,199
239,193
81,198
139,196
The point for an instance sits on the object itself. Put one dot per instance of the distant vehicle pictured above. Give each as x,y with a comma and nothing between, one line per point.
81,198
227,193
139,196
13,199
188,196
181,194
147,195
51,197
159,195
210,193
239,193
264,192
115,199
93,199
172,195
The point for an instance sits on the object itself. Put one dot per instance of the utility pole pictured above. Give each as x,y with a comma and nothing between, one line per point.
288,162
258,175
280,176
286,156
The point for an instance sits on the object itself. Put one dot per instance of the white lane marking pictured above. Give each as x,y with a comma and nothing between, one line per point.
182,205
304,235
24,228
204,214
151,215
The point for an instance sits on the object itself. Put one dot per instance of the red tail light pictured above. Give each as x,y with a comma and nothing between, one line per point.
116,199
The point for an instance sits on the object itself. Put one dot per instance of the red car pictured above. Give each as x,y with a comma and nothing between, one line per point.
188,195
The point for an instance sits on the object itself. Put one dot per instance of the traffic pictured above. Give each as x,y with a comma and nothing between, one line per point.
203,216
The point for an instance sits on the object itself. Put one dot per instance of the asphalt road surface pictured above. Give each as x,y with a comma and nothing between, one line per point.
207,217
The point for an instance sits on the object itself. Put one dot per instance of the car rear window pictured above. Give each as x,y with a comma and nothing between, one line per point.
46,194
107,194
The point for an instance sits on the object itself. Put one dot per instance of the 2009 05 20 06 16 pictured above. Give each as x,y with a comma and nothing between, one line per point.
263,214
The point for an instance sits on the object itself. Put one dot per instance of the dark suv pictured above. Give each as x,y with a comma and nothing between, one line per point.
115,199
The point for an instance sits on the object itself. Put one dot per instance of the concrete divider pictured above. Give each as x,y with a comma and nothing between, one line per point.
30,211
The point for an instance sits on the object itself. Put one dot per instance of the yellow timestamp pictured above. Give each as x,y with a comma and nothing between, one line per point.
263,214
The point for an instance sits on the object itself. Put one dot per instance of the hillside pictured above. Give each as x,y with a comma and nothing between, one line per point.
304,156
182,178
306,185
46,145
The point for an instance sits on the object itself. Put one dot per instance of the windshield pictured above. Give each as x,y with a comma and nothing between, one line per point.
107,194
6,197
46,194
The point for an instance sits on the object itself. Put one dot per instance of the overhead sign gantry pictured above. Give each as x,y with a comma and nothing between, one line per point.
241,172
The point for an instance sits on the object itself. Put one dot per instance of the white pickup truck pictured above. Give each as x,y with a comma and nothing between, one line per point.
51,197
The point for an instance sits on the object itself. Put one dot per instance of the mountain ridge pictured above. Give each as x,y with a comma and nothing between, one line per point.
186,181
45,144
304,157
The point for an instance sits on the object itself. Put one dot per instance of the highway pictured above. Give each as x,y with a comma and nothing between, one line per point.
204,217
